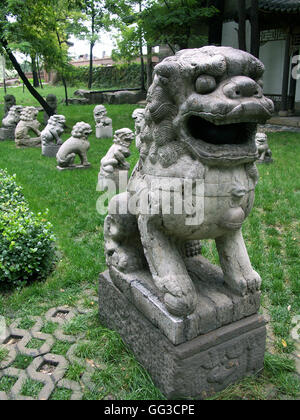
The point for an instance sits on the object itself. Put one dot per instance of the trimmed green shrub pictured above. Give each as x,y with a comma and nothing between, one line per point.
26,240
118,76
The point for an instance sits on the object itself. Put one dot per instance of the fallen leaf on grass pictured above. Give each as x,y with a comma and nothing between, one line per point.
284,343
95,365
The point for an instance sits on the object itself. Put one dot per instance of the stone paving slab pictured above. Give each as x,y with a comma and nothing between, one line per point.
285,121
46,368
276,128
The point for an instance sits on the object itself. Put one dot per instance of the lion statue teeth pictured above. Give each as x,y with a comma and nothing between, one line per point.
198,137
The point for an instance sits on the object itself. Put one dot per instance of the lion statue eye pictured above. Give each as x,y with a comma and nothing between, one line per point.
205,84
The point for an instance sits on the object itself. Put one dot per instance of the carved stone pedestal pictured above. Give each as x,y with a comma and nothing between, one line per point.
32,142
104,132
73,167
194,368
7,133
50,150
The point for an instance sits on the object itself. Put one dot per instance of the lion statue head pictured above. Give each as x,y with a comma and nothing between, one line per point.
9,101
123,137
207,103
13,116
261,139
81,130
99,112
29,113
51,100
56,119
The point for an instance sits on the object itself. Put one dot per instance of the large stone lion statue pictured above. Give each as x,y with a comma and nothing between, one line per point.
198,141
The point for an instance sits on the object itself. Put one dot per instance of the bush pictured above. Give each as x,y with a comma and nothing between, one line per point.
118,76
26,240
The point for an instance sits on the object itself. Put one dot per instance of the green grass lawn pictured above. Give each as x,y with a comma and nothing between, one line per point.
272,235
25,99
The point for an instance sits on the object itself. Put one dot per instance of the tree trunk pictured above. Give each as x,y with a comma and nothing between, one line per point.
255,33
26,82
4,75
216,23
66,90
39,71
62,76
92,43
143,87
90,82
149,66
34,71
242,24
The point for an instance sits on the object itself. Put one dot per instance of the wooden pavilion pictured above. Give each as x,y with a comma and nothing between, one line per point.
271,20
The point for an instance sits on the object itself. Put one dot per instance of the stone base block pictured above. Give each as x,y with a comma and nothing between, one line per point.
32,142
73,167
265,161
193,369
50,151
104,132
216,307
7,134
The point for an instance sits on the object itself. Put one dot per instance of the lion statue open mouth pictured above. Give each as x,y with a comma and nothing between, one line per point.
200,124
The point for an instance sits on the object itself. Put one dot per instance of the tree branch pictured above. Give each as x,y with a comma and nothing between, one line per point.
22,75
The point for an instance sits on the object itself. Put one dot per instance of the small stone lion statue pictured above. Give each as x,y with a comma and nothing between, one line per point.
9,123
50,136
139,119
9,101
54,129
27,123
197,145
265,154
13,116
115,159
78,144
103,122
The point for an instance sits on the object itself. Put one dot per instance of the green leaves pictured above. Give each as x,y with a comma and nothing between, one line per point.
26,240
176,22
127,45
33,27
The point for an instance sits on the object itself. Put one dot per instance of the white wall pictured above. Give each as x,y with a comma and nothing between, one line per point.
272,55
230,34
